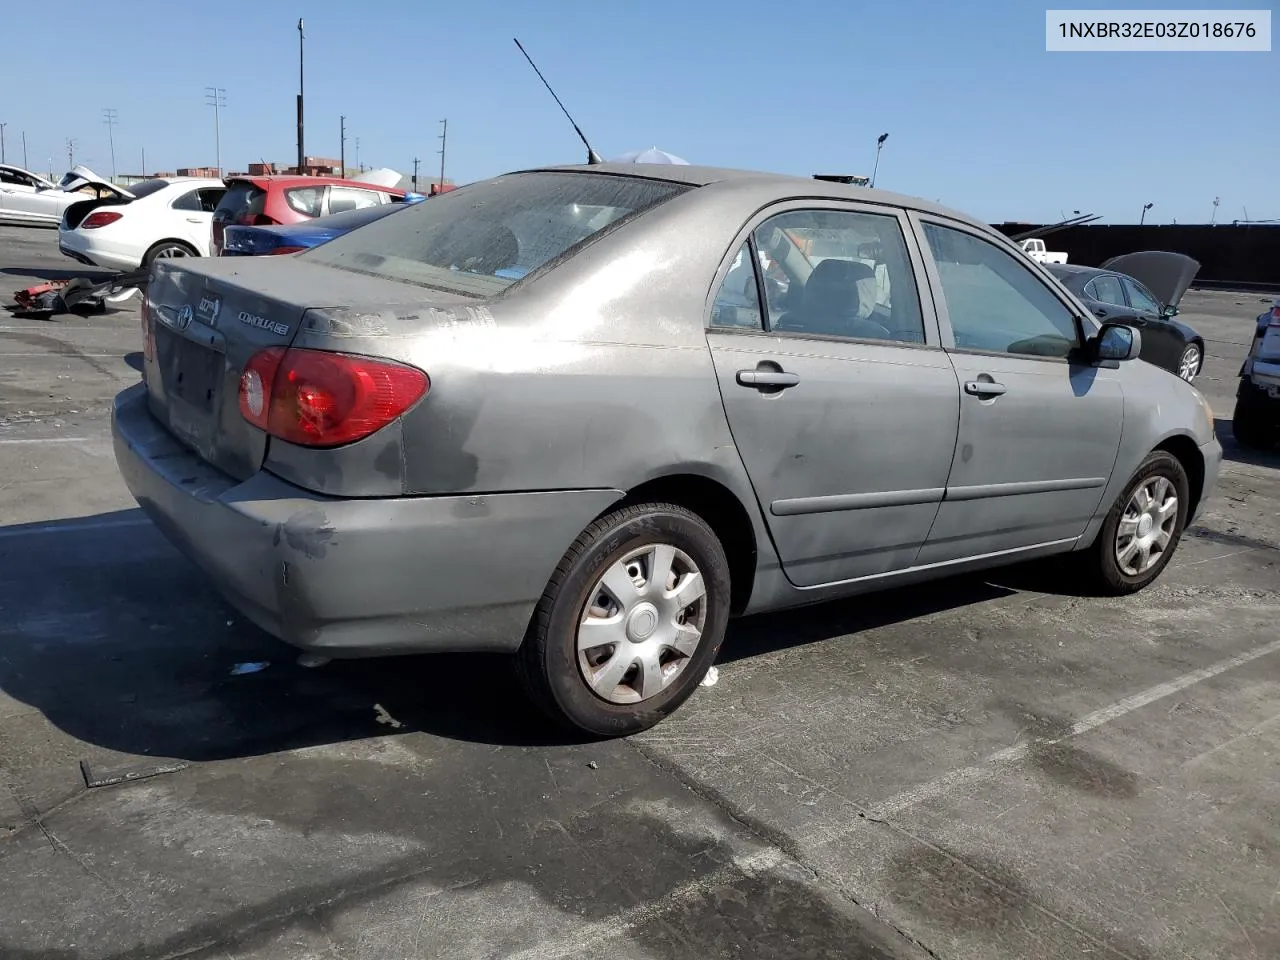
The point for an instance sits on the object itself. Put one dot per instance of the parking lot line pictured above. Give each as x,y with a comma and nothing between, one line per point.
990,767
46,440
72,526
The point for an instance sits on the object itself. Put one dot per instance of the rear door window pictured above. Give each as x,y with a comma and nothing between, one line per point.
342,199
188,201
1106,289
482,238
308,201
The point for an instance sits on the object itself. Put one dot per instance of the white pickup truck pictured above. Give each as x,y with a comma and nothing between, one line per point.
1036,250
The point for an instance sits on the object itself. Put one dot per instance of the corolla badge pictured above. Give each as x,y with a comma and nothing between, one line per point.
262,323
184,316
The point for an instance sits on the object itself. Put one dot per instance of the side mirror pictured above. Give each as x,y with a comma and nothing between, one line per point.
1116,342
1169,310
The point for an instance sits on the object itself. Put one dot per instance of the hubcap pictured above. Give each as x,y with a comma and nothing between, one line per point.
1190,364
641,624
165,253
1146,526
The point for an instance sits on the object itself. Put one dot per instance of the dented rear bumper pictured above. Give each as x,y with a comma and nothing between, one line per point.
353,578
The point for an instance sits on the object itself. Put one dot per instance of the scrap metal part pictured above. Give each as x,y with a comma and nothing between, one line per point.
62,296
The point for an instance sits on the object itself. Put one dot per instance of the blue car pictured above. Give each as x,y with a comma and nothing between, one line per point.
245,241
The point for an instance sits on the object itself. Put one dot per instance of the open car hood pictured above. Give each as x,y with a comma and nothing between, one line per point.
81,176
1167,275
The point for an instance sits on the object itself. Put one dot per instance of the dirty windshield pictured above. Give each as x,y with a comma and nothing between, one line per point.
481,239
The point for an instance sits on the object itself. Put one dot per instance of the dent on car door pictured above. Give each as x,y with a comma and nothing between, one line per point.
840,399
1039,429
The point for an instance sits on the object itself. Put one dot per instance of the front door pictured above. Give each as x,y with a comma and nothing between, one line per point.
840,399
1039,431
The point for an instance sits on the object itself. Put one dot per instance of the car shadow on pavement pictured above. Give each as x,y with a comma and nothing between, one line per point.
121,643
1233,451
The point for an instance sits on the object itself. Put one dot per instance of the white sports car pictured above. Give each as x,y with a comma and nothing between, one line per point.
27,197
129,227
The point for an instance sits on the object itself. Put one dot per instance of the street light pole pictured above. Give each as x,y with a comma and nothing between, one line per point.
2,126
24,150
1215,211
301,147
1143,218
216,97
879,146
415,174
342,146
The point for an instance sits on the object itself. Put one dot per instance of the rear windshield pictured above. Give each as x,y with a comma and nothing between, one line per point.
482,238
146,187
242,199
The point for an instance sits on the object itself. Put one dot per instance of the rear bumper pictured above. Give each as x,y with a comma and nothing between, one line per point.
1264,374
353,578
99,251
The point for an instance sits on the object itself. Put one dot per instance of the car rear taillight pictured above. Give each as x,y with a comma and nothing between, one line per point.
100,219
320,399
277,251
148,341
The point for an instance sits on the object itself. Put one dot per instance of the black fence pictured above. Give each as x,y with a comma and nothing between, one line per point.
1244,255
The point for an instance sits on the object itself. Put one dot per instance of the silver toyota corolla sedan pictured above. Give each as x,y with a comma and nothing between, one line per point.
587,414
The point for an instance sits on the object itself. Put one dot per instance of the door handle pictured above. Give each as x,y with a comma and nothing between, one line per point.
1099,312
767,379
194,220
984,388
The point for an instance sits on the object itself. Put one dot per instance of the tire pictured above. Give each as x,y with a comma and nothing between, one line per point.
166,249
1190,362
622,545
1254,426
1101,564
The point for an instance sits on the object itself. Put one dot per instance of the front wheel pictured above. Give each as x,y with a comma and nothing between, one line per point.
1142,529
1190,361
630,622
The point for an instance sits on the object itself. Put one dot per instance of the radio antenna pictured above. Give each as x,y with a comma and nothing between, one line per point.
592,156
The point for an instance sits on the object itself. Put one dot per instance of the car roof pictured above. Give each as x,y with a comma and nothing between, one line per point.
1075,269
783,185
276,179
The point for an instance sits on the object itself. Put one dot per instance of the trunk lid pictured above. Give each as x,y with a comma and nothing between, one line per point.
81,176
208,316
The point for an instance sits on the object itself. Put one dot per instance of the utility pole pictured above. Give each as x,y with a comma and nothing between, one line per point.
415,174
24,150
444,135
302,157
358,154
2,126
342,144
111,118
1215,211
71,152
216,97
144,161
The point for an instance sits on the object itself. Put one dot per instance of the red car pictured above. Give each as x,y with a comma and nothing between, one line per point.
269,200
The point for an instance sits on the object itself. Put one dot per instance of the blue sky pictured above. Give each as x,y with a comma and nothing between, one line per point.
979,116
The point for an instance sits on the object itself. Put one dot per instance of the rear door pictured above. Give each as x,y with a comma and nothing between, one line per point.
192,218
342,199
1039,430
840,399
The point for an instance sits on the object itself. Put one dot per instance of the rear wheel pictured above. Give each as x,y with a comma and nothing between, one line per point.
630,621
1190,361
166,250
1256,426
1142,529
